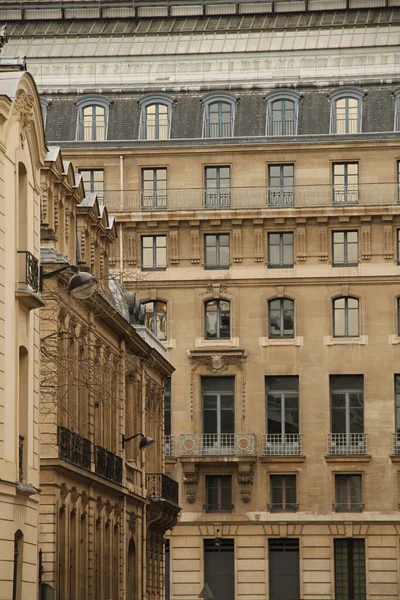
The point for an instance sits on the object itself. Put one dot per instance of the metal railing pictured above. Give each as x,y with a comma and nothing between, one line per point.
281,444
347,507
348,124
154,200
161,487
92,133
219,129
74,448
217,444
283,507
211,508
396,443
108,464
347,444
299,196
169,445
28,269
277,127
154,129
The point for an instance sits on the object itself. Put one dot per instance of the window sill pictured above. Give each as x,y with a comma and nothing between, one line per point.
201,342
394,339
350,341
297,341
169,343
353,458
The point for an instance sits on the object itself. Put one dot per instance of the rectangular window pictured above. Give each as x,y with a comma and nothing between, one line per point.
94,123
348,493
218,493
350,581
347,403
154,188
282,396
217,251
217,187
398,246
93,180
280,250
281,185
154,252
283,493
218,398
345,183
345,248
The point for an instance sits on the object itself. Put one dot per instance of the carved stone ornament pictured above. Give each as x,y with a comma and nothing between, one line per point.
217,362
23,109
132,522
191,479
245,477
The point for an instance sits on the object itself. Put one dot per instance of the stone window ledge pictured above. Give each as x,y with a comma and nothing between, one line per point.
351,341
297,341
394,339
200,342
169,344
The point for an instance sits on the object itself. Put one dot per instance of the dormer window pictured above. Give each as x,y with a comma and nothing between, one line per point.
282,112
219,113
92,119
155,120
346,111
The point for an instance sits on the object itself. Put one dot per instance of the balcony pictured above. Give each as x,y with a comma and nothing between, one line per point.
282,444
396,443
108,464
347,444
348,507
169,445
250,198
217,444
161,487
283,507
28,270
74,448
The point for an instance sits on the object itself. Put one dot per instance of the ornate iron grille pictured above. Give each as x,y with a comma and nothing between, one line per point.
74,448
108,464
29,272
162,487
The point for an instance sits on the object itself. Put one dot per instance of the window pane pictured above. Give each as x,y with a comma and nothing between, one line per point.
274,413
211,319
224,256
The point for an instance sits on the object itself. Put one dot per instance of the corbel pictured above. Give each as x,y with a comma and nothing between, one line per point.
190,479
245,477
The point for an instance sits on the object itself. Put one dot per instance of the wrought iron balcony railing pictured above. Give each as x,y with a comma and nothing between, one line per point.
283,507
282,444
298,196
347,444
169,445
154,200
161,487
28,269
108,464
217,444
74,448
348,507
212,508
396,443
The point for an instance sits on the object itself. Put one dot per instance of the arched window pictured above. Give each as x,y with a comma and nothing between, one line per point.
155,118
346,317
281,318
282,112
346,110
156,318
92,118
219,114
217,320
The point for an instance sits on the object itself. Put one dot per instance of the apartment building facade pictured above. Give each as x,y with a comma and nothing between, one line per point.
250,154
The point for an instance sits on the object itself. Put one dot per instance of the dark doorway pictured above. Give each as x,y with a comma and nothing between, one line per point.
166,575
284,572
219,568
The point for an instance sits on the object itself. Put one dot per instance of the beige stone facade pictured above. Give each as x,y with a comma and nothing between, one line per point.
21,156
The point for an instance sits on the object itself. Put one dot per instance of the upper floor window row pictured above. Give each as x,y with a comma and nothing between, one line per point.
219,112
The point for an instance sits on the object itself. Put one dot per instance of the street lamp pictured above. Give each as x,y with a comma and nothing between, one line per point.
145,442
82,285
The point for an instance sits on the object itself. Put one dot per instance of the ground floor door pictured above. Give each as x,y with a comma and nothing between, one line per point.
219,573
284,571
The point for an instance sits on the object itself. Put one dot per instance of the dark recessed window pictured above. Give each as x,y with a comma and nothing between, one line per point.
348,493
280,250
283,493
345,248
350,580
154,252
216,251
218,493
281,318
217,320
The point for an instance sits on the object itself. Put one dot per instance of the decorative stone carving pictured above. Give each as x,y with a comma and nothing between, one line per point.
258,244
132,519
388,241
43,197
366,242
131,248
216,289
23,109
173,246
191,479
301,244
218,362
237,245
195,245
323,243
245,477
